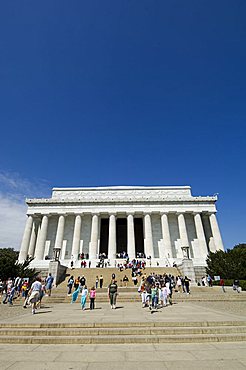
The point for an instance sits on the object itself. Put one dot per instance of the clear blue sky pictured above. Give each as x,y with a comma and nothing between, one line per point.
126,93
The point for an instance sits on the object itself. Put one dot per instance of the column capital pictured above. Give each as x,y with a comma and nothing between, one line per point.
209,213
194,213
147,213
130,214
95,214
112,214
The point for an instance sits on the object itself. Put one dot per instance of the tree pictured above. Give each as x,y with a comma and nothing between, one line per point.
9,267
230,264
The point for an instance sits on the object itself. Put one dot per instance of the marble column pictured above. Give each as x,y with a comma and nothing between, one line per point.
216,232
76,237
112,237
94,238
203,249
26,239
60,232
131,251
183,231
167,250
149,250
34,235
39,250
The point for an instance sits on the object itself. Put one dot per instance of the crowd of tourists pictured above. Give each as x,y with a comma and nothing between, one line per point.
31,293
77,287
155,290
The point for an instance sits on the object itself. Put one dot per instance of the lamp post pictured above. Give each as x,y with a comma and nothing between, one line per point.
56,253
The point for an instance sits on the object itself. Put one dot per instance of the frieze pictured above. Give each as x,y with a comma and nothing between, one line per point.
120,195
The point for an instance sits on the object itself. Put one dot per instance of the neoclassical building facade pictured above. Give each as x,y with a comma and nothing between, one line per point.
157,222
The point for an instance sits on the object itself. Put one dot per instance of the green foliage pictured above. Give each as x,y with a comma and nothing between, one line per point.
230,264
229,282
25,271
9,267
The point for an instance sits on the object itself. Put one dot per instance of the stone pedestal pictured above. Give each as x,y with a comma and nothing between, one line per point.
187,269
58,271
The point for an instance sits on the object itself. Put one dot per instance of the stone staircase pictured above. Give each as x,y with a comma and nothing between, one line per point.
123,333
91,273
130,293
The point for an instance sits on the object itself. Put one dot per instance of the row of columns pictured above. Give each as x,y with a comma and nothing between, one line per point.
33,235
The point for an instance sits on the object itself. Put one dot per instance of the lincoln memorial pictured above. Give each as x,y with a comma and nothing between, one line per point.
159,223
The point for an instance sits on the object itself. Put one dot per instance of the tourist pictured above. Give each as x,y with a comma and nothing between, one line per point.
154,297
125,281
97,281
49,284
76,283
84,295
179,284
210,281
165,294
35,292
70,285
11,295
92,298
82,281
135,279
142,291
26,289
236,285
222,284
187,284
42,293
75,295
101,281
112,293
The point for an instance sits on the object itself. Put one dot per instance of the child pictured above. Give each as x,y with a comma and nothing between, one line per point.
154,297
83,297
165,292
92,298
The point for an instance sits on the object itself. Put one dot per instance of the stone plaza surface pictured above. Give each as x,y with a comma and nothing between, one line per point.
212,355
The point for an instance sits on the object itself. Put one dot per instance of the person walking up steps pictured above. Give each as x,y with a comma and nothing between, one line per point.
49,284
35,292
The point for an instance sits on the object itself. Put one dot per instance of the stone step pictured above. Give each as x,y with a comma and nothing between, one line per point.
91,273
124,339
61,332
159,324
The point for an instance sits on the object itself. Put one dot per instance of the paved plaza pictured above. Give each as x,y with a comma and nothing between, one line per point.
211,355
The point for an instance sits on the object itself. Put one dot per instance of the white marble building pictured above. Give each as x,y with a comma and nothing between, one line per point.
156,221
